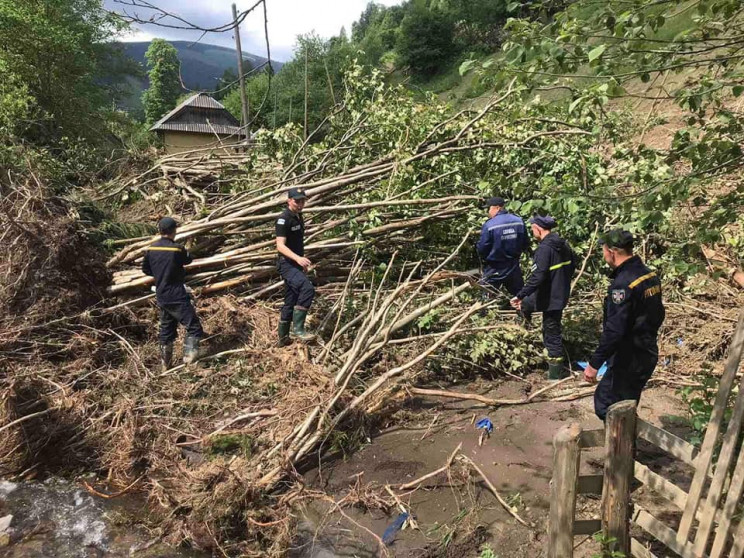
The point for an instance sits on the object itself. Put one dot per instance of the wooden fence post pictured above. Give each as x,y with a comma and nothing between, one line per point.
566,456
618,474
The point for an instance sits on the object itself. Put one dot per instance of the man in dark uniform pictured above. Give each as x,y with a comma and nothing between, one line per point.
503,239
293,265
547,289
633,314
164,260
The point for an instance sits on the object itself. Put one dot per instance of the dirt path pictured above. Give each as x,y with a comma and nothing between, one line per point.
458,516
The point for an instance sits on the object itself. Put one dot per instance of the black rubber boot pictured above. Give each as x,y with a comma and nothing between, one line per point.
190,349
284,339
556,370
166,356
299,315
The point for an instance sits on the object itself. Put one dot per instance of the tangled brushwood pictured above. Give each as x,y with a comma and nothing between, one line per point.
394,201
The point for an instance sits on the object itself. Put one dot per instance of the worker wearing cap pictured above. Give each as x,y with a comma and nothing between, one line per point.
165,260
503,239
293,265
547,289
633,314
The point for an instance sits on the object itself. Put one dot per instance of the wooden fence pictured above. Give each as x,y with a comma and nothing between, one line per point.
708,509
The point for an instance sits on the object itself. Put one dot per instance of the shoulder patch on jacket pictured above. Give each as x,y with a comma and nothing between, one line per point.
618,296
280,221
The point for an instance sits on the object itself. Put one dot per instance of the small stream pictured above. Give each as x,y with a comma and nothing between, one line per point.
60,519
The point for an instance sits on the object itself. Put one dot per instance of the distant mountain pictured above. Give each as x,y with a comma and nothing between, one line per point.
202,66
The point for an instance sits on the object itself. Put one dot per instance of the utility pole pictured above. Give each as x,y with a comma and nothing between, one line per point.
306,49
241,78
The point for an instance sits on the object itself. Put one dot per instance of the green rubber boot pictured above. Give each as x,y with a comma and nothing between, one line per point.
166,356
191,351
284,339
299,315
556,370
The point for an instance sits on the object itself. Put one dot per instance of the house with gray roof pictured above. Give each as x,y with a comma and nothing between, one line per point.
197,123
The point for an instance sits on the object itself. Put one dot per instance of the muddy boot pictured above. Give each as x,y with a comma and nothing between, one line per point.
284,339
190,349
166,356
556,370
299,315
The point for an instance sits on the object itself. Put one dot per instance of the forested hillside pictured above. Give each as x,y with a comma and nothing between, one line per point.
600,115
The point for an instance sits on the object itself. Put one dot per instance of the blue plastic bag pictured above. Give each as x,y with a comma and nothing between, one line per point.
600,372
389,535
485,424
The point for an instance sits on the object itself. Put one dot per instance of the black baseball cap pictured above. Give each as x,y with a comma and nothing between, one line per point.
296,194
543,221
618,238
167,224
496,200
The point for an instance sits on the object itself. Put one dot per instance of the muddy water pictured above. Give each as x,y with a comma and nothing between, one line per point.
59,519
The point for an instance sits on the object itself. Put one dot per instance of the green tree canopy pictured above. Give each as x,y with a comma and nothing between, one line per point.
426,39
165,83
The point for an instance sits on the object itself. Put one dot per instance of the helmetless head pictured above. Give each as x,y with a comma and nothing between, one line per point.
541,225
296,200
617,246
167,227
494,205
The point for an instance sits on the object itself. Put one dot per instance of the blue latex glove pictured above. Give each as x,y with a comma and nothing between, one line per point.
600,372
485,424
389,535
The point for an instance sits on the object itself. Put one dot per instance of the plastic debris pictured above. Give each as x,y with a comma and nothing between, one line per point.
389,535
486,424
600,372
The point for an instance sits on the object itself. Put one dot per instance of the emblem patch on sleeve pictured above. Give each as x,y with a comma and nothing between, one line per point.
280,222
618,296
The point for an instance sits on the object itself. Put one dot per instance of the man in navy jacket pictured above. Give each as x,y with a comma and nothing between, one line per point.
547,289
503,239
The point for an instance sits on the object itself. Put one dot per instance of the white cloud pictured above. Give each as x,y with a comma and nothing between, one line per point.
286,18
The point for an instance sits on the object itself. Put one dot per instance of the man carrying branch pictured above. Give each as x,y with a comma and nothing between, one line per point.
164,260
293,266
547,289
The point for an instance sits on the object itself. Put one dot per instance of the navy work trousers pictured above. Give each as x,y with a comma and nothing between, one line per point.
623,381
298,290
552,327
513,282
174,313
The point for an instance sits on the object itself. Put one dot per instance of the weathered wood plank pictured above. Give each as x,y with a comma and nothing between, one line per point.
592,438
618,474
729,509
659,484
662,533
711,434
566,457
587,526
721,474
667,441
637,550
590,484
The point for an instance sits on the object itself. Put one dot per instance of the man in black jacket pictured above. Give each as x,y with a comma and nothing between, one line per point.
293,266
164,260
633,314
548,288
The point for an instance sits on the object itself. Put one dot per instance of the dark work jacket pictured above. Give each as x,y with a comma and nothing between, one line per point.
292,227
553,266
164,260
633,314
503,239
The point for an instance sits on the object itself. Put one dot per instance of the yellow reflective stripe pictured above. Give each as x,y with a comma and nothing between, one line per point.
556,266
163,249
641,279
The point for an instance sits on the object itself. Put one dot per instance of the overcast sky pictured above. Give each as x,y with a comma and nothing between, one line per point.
287,19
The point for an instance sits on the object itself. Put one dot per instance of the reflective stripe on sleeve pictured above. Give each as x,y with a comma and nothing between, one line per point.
557,266
641,279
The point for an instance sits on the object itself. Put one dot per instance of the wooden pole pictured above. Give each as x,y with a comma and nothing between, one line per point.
306,49
618,474
241,77
566,457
